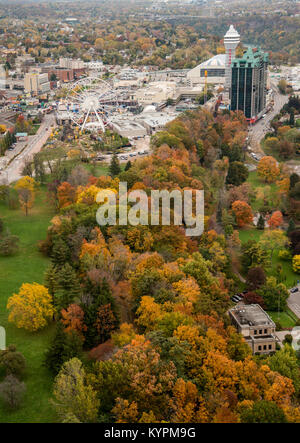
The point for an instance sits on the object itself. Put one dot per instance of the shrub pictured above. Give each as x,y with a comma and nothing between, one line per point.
12,392
13,362
9,244
285,255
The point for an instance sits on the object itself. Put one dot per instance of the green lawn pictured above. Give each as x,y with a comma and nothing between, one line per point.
290,276
256,182
27,266
287,319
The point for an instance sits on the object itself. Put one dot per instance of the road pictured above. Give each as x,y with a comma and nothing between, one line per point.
13,171
294,302
258,131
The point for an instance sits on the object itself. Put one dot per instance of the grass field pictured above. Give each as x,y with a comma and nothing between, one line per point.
287,319
256,182
290,276
27,266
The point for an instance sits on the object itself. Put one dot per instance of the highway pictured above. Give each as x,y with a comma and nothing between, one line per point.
13,171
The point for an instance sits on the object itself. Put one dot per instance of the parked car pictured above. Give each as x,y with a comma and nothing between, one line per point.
235,299
293,290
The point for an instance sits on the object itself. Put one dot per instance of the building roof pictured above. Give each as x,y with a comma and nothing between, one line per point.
232,33
251,315
217,61
251,57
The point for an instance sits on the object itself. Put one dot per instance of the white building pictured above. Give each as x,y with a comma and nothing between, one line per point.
155,93
68,63
215,68
35,82
231,42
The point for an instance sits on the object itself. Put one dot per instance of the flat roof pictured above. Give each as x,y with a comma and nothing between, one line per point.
251,315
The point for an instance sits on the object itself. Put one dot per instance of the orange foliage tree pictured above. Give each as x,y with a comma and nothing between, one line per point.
242,212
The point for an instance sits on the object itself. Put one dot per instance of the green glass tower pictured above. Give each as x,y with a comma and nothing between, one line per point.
249,83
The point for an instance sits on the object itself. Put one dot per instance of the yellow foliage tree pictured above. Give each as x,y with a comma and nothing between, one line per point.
26,187
268,169
148,312
31,308
296,264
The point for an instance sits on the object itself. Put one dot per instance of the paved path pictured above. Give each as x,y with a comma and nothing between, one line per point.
294,302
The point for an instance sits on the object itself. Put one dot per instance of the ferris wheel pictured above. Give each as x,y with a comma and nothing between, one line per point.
91,102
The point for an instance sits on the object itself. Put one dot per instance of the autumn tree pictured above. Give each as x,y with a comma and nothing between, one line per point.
66,194
276,220
296,264
242,212
73,319
268,169
31,308
26,187
255,278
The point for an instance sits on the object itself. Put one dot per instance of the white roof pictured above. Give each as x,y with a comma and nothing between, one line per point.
218,61
232,32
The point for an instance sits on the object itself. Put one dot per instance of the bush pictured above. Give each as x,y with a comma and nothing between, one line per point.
285,255
1,225
9,244
13,362
12,392
288,339
278,326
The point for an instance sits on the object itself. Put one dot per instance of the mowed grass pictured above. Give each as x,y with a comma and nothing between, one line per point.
256,182
27,266
287,319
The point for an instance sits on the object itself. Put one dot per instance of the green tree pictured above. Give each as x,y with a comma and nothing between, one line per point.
64,346
285,362
263,412
261,223
274,294
67,287
114,167
237,174
73,395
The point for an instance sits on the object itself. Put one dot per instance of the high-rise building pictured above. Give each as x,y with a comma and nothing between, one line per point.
249,83
231,41
35,82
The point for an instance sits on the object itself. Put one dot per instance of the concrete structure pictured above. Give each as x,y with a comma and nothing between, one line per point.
155,93
69,63
215,68
63,75
256,327
231,41
128,128
249,83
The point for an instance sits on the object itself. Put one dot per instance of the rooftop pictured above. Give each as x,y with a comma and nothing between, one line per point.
217,61
251,315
